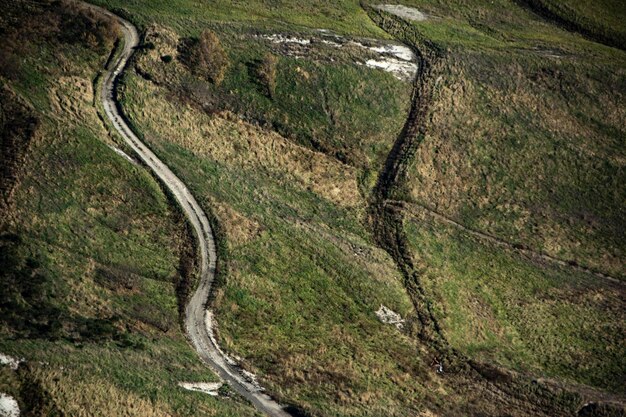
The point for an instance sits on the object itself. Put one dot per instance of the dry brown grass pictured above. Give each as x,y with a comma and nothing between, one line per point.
238,228
228,140
72,100
207,57
82,395
461,165
267,73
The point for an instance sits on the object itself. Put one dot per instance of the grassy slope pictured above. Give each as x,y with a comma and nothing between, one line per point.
599,20
99,244
261,274
292,237
298,304
303,278
526,147
327,106
190,17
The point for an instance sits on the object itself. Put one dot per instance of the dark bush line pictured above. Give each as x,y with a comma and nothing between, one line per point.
572,22
205,56
18,125
24,24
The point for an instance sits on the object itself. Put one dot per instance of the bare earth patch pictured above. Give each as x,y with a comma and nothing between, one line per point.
8,406
395,58
403,11
209,388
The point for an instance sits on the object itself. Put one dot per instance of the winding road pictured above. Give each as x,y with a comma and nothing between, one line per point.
198,320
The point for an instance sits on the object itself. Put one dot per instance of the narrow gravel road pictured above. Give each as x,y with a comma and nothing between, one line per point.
198,320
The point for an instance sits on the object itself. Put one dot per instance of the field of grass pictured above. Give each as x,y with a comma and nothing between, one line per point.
500,307
524,142
90,250
303,278
491,51
518,96
325,102
190,17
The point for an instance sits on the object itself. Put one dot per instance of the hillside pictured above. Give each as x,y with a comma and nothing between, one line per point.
461,165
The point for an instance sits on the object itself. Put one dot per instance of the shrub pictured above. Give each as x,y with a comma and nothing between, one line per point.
166,58
267,73
88,27
208,58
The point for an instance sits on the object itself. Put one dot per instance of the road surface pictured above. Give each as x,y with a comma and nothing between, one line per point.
198,320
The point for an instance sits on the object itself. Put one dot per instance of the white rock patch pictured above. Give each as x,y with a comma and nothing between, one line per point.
397,59
13,363
388,316
403,11
402,70
123,154
8,406
399,51
205,387
278,38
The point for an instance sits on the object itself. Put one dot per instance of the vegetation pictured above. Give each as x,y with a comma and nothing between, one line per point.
599,20
90,251
267,73
18,125
325,103
541,174
188,19
208,59
300,264
515,132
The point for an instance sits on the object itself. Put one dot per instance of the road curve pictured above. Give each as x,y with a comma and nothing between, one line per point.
198,320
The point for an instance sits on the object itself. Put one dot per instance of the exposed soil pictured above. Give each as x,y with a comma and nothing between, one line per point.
404,12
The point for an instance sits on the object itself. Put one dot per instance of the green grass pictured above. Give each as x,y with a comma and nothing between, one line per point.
525,142
323,101
189,17
496,54
516,140
602,20
90,258
499,307
524,138
298,304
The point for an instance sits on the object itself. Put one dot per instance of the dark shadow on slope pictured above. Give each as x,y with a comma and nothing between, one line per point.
574,23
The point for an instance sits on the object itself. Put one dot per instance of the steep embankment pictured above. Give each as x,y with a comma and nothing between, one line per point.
198,320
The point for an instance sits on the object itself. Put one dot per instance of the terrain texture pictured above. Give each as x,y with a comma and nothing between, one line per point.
366,209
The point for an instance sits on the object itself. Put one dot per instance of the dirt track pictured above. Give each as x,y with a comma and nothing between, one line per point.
198,320
516,247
